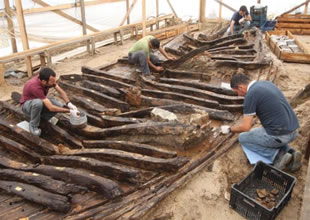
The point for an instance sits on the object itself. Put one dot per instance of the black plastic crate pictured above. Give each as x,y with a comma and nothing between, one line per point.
243,195
258,15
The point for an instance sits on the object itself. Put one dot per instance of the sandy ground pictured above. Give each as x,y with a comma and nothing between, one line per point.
207,195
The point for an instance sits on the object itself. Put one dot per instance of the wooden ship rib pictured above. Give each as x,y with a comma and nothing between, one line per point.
126,160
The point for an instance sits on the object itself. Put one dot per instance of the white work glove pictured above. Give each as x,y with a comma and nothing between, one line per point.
71,106
75,113
225,129
242,21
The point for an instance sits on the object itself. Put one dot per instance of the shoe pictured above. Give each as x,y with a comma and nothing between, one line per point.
35,131
295,164
283,161
138,70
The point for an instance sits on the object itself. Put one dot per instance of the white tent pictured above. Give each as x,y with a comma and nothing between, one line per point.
47,27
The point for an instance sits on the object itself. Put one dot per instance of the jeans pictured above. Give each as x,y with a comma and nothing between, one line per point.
238,29
139,58
268,146
35,110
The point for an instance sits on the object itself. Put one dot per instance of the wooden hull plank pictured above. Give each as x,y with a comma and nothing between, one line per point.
116,171
37,195
42,181
144,149
35,143
101,98
97,72
132,159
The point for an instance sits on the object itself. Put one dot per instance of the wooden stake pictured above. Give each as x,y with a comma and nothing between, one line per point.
157,14
143,18
293,9
23,33
127,8
225,5
84,22
202,11
10,25
220,11
306,8
172,9
77,21
128,12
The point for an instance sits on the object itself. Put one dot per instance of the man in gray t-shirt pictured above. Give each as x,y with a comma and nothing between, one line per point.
279,123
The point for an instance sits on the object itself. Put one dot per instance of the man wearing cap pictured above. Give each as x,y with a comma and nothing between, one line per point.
240,21
140,54
36,104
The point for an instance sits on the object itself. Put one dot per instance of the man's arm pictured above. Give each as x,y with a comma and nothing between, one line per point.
248,17
62,93
245,125
232,23
158,68
163,52
53,108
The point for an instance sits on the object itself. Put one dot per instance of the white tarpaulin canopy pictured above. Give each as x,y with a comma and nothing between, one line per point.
45,27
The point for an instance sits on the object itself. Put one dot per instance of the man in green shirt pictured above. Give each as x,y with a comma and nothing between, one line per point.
140,54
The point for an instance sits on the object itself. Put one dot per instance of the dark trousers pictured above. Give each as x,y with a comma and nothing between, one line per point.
35,110
139,58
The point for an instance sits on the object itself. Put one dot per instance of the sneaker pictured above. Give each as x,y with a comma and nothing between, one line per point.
138,70
35,131
295,164
283,161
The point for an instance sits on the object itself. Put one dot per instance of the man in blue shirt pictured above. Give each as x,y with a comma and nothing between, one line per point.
240,21
279,123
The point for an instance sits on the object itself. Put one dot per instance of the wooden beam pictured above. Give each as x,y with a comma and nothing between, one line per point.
77,21
220,11
157,14
84,22
65,6
127,8
143,18
293,9
23,33
73,41
10,25
128,12
225,5
306,8
172,9
202,11
2,71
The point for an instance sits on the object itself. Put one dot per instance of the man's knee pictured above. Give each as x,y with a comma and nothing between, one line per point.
243,137
247,24
37,103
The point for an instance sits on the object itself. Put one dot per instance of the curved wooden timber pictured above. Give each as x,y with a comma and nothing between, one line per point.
132,159
37,144
98,72
101,98
198,85
222,99
53,201
181,97
215,114
93,182
128,146
42,181
112,170
106,81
